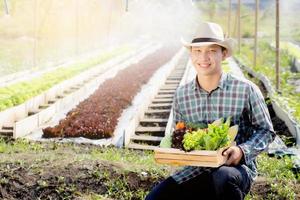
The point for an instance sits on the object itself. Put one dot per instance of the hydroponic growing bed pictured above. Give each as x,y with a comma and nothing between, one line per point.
97,116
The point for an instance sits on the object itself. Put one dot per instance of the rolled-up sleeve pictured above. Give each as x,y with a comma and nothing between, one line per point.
263,132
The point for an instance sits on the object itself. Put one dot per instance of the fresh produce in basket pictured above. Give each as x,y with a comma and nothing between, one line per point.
166,142
180,130
177,135
192,136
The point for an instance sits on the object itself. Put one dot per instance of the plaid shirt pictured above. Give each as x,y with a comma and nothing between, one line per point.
234,97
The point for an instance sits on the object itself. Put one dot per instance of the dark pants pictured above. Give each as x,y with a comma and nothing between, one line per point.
222,183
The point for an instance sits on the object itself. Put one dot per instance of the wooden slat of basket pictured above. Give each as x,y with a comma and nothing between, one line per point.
177,156
195,158
189,163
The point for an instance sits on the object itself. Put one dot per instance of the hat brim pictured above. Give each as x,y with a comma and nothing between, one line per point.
227,44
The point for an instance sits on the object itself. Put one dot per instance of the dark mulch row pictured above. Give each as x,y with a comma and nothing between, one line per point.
97,116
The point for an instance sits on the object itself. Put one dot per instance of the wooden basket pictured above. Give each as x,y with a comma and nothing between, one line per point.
178,157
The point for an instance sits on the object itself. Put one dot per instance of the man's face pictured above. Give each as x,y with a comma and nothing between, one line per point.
207,59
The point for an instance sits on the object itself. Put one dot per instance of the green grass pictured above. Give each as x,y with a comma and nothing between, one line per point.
225,66
94,196
291,49
278,168
279,175
125,155
18,146
46,152
38,157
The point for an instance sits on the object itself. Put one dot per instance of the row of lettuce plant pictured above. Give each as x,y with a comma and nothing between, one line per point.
18,93
292,49
286,96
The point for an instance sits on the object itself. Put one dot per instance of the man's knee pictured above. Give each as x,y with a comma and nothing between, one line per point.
231,182
226,175
167,189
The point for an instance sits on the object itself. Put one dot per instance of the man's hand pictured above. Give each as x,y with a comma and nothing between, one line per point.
235,154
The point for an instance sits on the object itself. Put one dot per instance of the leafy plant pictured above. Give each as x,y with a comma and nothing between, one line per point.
166,142
20,145
194,140
293,50
193,136
282,179
18,93
286,97
212,138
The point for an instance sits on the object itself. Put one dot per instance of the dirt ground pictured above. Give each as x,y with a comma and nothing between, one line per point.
69,182
65,173
262,189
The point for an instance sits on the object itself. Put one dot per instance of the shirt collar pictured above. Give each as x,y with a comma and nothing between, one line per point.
221,85
223,80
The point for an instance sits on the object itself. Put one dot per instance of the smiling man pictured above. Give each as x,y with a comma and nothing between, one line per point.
214,94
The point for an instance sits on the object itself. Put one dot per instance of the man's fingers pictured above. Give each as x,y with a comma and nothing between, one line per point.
227,151
232,159
233,154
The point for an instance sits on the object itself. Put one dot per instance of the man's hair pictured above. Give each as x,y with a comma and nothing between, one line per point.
223,48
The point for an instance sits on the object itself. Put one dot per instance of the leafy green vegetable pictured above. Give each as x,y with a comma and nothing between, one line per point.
194,140
18,93
195,126
212,138
166,142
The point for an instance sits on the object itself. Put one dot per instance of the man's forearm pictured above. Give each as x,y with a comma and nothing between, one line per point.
256,144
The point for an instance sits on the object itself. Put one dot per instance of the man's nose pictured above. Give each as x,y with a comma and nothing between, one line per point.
203,56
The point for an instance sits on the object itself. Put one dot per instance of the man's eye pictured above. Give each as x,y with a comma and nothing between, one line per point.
197,51
212,50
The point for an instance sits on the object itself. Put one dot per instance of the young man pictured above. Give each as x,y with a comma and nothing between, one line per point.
214,94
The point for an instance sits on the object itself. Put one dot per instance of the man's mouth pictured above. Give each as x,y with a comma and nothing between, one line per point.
206,65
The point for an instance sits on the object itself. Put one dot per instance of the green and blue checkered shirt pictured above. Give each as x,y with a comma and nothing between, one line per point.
234,97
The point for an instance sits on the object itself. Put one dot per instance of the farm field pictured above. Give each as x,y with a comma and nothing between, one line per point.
87,95
71,171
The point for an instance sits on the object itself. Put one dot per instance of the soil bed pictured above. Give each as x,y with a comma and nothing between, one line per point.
262,189
97,116
84,171
33,170
71,181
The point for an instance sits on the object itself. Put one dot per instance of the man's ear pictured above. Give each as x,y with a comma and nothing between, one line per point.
224,54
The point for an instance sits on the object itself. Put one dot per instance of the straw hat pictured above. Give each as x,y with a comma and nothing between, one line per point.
210,33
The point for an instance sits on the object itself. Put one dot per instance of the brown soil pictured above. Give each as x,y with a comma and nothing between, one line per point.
72,181
261,188
97,116
69,171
